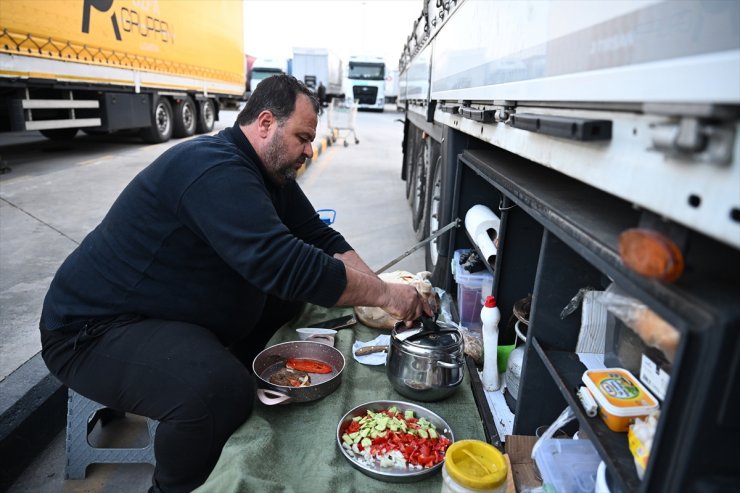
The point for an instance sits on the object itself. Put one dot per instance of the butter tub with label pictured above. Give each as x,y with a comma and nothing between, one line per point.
620,396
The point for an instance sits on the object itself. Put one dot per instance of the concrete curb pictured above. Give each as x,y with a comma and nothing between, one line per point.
33,410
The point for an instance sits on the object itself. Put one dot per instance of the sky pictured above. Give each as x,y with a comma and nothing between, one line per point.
347,27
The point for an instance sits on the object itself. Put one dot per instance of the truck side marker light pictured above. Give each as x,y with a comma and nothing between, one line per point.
651,254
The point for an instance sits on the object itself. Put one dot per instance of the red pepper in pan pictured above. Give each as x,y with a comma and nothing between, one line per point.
308,365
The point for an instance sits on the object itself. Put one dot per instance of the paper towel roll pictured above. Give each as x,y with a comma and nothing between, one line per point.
482,226
486,247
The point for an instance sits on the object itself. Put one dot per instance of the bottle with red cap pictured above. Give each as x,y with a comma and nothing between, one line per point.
490,317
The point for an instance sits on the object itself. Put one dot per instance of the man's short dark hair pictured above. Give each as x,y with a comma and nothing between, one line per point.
276,94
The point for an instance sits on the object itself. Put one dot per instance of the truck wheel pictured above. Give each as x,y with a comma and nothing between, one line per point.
58,134
436,263
161,127
206,117
185,118
408,157
434,214
418,207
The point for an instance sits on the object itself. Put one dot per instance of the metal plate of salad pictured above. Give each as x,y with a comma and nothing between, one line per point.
394,441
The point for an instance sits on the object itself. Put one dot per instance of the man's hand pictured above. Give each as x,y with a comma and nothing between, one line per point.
404,302
364,288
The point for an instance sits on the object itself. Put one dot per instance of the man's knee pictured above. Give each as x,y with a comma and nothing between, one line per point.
231,400
224,401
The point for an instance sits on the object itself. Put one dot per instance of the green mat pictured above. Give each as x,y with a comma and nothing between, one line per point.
292,448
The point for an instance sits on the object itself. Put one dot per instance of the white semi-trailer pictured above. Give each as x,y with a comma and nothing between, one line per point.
605,137
318,65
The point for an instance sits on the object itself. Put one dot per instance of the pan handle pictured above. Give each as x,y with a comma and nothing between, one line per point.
271,397
324,339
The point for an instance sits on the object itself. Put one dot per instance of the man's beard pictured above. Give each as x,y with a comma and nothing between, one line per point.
277,166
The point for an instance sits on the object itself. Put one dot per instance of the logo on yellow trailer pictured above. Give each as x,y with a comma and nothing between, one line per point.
130,21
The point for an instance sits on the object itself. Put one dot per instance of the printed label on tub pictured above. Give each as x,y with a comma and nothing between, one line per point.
619,389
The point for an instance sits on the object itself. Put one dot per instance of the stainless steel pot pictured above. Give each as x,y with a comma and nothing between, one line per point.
274,358
424,364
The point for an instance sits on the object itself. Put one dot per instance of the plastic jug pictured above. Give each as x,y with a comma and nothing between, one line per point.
490,317
514,366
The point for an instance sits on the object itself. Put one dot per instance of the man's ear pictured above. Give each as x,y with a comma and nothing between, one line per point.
265,121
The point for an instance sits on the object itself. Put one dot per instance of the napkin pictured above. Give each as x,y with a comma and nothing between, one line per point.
372,358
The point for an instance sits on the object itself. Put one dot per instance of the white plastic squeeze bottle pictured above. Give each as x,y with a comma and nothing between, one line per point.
490,317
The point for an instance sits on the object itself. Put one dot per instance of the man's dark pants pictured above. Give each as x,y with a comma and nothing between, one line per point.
195,382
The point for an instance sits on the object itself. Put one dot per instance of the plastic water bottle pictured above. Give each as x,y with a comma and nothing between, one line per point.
490,317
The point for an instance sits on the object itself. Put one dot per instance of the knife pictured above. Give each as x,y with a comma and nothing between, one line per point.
370,349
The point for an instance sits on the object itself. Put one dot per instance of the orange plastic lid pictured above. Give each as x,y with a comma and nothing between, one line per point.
619,392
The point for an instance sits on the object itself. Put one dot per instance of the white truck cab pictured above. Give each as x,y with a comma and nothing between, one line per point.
266,67
364,82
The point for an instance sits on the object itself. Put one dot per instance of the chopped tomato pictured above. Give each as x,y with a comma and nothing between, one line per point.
426,452
308,365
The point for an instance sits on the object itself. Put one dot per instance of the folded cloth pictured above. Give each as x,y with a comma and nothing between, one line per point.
372,358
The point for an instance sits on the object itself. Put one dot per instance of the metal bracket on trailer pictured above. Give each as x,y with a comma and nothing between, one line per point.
483,116
583,129
454,109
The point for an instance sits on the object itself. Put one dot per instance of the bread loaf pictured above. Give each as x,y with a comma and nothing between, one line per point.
378,318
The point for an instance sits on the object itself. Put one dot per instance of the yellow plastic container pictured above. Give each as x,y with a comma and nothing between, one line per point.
473,466
620,396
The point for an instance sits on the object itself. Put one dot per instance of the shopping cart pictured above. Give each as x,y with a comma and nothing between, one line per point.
342,121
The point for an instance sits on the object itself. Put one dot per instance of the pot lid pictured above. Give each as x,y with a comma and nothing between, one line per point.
437,339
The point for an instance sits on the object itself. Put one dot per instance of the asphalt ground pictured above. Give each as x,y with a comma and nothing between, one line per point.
54,193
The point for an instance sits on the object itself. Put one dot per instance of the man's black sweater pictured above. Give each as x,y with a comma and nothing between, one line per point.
201,235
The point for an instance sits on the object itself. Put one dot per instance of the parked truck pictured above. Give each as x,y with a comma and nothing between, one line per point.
265,67
164,68
392,86
605,138
364,82
318,65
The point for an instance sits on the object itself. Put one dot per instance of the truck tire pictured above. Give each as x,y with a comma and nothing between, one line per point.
58,134
206,116
408,162
434,213
185,118
161,127
419,192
